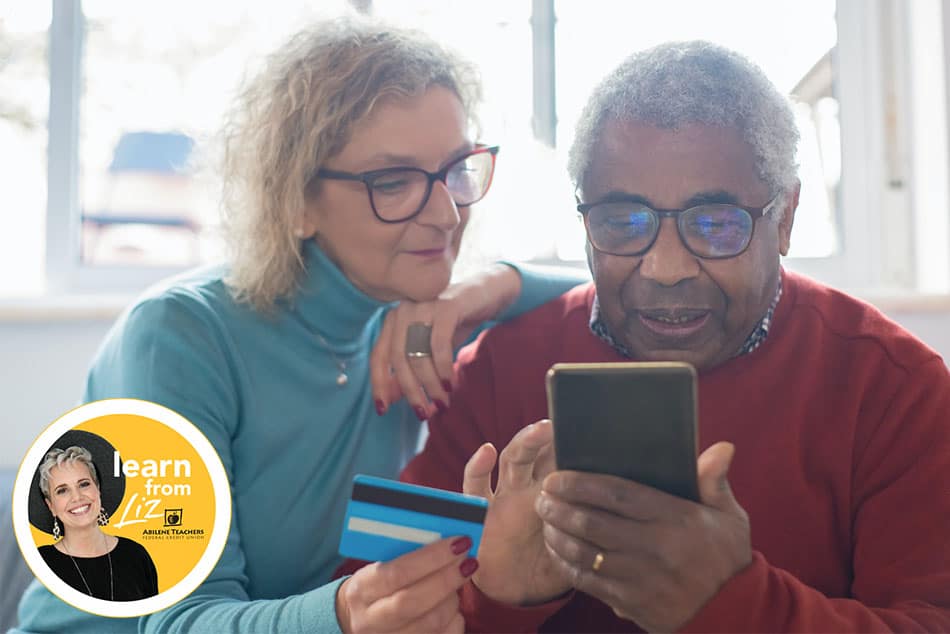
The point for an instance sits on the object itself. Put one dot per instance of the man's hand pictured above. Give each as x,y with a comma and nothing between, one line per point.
514,565
662,557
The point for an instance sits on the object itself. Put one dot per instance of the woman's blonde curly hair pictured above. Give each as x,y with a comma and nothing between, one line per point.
299,112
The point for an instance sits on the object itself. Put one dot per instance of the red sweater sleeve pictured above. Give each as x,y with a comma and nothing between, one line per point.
901,526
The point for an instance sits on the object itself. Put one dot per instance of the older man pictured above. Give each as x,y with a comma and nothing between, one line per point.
824,485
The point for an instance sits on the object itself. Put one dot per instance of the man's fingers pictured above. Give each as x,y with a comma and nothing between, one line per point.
476,479
619,496
713,471
586,523
517,462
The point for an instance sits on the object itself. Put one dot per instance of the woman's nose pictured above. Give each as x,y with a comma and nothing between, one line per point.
440,210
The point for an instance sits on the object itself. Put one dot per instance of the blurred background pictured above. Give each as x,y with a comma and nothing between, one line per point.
109,113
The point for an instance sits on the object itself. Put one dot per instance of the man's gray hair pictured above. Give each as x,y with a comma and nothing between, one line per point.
58,457
679,83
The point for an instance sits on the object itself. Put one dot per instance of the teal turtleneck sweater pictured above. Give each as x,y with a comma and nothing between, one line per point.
263,390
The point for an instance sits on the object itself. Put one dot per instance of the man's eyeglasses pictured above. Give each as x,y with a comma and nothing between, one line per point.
712,231
397,194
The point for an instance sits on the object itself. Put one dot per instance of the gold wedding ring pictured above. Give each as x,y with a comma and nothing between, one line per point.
598,562
418,340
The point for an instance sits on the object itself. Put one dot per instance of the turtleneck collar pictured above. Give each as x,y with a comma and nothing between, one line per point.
329,303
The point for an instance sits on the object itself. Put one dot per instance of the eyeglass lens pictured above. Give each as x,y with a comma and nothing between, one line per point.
713,231
401,193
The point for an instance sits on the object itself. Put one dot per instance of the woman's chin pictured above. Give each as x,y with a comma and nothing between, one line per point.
425,288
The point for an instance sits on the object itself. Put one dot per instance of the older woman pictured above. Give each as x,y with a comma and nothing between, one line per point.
100,565
350,172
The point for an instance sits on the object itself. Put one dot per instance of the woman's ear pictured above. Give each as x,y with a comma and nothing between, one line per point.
308,222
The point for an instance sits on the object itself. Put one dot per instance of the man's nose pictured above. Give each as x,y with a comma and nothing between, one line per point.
440,210
668,261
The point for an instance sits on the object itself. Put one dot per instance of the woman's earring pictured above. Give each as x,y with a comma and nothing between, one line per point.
57,533
103,518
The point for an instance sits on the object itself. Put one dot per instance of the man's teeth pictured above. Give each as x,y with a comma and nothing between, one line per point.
671,320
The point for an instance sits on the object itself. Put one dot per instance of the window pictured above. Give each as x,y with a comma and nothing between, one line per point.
136,95
24,98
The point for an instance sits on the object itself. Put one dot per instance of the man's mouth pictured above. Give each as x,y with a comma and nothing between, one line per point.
674,323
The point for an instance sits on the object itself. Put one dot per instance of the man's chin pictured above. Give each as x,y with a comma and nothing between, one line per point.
699,358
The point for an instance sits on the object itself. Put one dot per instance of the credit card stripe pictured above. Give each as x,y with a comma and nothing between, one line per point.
393,531
420,503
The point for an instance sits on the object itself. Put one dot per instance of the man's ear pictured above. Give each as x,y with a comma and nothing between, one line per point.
788,219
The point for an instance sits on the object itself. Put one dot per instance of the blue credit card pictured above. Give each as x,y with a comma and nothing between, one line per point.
386,518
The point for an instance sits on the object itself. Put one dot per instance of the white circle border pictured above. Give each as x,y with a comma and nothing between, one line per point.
219,483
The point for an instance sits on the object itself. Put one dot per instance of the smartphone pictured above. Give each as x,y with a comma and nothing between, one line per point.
632,420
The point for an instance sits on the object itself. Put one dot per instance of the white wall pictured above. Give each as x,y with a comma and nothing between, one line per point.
43,366
42,372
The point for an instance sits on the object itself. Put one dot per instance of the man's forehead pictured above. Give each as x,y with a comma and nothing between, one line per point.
694,156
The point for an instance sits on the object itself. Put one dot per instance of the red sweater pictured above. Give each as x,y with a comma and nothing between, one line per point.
841,422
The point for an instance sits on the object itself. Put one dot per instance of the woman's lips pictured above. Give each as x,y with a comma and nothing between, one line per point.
674,326
428,253
80,510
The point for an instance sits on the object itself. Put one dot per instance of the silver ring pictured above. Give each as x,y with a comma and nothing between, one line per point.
418,340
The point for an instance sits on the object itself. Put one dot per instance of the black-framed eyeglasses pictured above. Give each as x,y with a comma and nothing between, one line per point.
712,230
397,194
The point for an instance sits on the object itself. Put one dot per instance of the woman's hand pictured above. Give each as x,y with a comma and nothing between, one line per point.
427,381
417,592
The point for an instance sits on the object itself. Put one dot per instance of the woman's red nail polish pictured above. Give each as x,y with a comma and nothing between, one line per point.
468,567
420,412
461,544
380,407
447,386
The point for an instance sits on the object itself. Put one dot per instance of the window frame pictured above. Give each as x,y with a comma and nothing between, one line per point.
876,194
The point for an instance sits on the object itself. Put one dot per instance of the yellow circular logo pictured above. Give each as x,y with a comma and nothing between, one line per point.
121,507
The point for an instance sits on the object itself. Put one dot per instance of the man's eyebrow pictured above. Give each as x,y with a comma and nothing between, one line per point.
712,196
701,198
617,196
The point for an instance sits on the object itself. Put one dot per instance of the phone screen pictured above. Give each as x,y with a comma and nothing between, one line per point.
632,420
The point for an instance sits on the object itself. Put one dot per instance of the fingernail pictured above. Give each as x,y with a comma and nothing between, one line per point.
447,386
468,567
380,407
420,412
439,405
541,504
461,544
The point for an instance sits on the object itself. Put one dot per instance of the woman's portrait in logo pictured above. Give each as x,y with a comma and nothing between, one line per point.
75,490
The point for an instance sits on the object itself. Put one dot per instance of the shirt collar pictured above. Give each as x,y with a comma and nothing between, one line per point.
329,303
753,341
